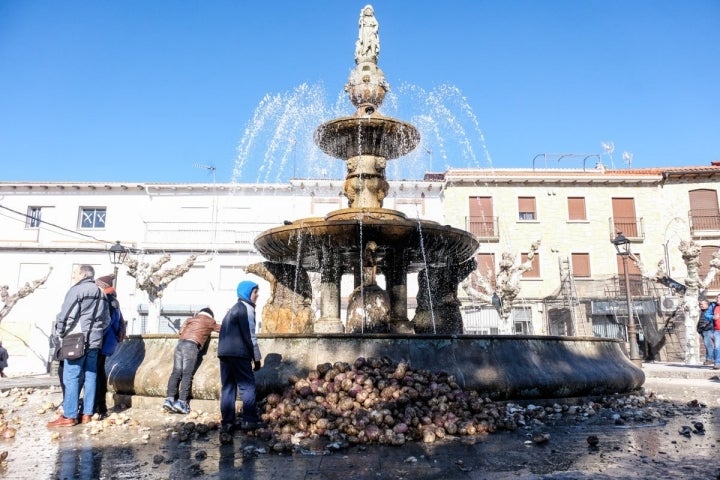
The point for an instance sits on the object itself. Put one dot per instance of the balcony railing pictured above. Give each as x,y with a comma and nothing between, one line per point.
704,221
631,227
237,234
484,228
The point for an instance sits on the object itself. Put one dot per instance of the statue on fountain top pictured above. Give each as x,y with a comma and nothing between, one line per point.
367,46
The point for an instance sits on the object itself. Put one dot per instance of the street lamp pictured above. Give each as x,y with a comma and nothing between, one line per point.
622,245
117,256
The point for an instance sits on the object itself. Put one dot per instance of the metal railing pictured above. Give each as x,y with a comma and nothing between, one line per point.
212,233
631,227
485,228
704,220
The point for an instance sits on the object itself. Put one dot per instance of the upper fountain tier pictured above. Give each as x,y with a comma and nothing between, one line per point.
367,132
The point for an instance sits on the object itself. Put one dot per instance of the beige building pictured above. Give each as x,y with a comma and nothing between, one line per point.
574,287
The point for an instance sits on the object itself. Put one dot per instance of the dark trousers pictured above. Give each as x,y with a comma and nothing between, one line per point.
101,386
237,374
184,363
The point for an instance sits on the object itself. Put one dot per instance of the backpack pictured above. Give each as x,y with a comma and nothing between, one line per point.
706,320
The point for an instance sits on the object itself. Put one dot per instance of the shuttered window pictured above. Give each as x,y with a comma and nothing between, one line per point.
535,271
706,254
576,208
481,222
704,212
486,266
581,264
624,218
526,208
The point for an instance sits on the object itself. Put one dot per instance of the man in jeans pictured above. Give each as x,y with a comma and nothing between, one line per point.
85,310
194,333
716,332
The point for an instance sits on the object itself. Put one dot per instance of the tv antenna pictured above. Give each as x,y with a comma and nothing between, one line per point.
210,168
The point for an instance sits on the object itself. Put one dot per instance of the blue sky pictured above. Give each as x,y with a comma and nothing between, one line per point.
152,91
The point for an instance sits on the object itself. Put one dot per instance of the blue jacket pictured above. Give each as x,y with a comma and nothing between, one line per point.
708,314
114,332
237,333
84,305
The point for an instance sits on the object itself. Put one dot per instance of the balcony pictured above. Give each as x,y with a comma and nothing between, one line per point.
704,222
631,227
218,234
484,228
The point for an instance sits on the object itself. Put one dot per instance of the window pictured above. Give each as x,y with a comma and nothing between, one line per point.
486,266
706,255
576,208
522,320
704,211
534,272
33,217
624,216
580,264
482,221
526,208
92,217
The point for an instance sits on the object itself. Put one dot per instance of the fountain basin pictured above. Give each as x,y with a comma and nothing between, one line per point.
501,367
376,135
422,242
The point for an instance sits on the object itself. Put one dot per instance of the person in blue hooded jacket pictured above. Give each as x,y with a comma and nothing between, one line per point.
239,357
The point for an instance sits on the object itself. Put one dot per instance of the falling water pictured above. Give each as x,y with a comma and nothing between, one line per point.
277,143
425,263
298,261
362,275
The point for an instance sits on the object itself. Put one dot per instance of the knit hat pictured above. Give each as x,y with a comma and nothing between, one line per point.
245,288
105,282
207,311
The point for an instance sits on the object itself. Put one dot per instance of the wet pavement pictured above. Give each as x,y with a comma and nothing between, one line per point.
146,443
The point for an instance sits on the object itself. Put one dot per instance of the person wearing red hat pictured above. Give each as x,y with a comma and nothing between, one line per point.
113,335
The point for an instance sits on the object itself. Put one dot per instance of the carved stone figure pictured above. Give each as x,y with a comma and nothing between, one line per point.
367,47
437,299
288,308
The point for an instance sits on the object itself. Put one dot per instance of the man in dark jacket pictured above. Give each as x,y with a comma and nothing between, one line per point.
85,310
238,352
194,333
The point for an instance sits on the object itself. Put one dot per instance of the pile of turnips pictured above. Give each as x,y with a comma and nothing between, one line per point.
376,400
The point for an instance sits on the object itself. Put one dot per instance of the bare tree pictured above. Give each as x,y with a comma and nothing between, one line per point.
503,292
9,300
151,280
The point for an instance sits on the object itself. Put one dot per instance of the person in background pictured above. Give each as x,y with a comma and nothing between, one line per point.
114,334
194,334
85,310
239,357
705,329
716,332
3,360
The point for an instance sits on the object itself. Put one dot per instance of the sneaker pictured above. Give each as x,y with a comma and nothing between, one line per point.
169,405
716,367
181,407
708,362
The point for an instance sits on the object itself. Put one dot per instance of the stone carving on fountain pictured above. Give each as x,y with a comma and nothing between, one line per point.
365,239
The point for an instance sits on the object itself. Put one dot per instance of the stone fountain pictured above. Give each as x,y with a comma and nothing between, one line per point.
366,240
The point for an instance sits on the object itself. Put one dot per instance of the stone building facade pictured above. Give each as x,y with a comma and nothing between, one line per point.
574,287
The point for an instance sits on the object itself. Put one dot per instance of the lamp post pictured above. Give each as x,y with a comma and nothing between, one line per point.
117,256
622,245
